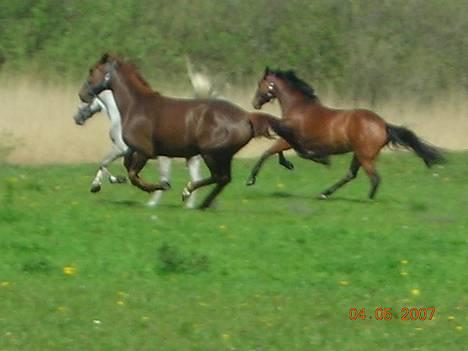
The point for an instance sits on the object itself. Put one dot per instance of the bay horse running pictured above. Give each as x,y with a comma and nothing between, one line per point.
105,102
316,131
155,125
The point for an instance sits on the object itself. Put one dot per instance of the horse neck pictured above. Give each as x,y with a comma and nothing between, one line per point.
107,97
128,91
289,97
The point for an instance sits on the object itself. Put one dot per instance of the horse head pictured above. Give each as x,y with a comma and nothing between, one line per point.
266,90
86,111
99,78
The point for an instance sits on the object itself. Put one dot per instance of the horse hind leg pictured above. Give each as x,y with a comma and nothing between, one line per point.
193,165
194,185
369,167
352,173
221,169
165,174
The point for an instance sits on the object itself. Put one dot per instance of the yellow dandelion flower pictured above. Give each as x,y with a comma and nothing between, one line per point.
122,294
415,292
5,284
145,318
69,270
226,337
418,328
403,273
404,261
343,282
451,318
120,302
458,328
222,227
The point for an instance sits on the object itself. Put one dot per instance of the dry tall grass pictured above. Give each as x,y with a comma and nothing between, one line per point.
37,119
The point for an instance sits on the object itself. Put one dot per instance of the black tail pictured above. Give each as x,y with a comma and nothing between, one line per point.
405,137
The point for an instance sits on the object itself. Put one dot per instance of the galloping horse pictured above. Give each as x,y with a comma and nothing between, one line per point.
155,125
316,131
105,102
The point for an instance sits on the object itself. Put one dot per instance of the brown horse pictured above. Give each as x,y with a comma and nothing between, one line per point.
154,125
316,131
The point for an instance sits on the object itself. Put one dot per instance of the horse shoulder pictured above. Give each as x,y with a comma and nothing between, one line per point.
137,132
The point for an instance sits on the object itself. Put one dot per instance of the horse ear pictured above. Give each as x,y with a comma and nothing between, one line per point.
267,70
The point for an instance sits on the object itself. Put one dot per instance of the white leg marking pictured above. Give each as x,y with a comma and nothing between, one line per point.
165,174
193,165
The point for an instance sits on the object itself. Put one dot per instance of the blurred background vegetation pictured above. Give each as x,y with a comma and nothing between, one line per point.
360,49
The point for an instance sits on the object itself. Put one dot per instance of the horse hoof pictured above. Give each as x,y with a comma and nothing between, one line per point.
288,165
322,197
185,194
121,179
117,180
95,188
151,204
250,181
165,185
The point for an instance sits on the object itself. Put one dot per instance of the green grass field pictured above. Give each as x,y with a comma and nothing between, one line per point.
270,268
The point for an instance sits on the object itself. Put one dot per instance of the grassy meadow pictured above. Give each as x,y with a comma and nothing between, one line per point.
270,268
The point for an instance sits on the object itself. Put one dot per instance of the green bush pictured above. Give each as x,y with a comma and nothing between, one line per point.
362,49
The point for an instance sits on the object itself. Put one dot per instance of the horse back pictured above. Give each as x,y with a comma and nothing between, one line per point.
179,127
337,130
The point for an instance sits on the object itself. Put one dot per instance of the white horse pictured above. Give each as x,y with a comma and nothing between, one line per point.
105,102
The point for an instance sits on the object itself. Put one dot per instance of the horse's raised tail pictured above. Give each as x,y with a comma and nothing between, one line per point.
405,137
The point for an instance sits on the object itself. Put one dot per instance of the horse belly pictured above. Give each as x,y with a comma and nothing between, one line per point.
176,149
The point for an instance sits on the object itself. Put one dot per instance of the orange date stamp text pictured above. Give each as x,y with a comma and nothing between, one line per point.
387,313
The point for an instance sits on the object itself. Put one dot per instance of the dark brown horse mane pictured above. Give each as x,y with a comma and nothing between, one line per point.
290,77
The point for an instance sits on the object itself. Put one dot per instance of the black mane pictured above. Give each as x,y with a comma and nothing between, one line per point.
296,82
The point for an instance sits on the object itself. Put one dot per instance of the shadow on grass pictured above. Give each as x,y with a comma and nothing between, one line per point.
315,198
123,203
142,204
335,199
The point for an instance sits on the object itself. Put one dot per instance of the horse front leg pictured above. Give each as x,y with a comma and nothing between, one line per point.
134,162
277,148
102,170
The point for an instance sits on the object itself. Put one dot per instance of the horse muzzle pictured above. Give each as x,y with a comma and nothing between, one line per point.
82,115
